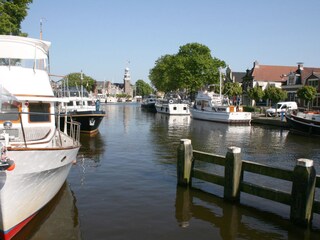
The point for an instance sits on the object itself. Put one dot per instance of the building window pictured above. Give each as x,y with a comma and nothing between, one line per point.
313,83
291,96
316,102
291,80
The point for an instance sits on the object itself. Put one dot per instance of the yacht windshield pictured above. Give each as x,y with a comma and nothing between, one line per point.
26,63
9,105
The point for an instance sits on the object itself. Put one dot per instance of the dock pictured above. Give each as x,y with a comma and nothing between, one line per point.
271,121
301,199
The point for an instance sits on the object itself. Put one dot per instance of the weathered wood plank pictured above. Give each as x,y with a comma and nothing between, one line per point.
209,177
316,207
209,158
261,169
318,181
271,194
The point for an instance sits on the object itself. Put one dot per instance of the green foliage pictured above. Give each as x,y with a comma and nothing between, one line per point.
275,94
161,75
232,89
307,93
250,109
12,13
143,88
256,93
191,68
74,79
123,95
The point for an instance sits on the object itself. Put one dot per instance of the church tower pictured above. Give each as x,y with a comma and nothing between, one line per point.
126,80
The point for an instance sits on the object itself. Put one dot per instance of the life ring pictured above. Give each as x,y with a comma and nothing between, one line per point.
170,101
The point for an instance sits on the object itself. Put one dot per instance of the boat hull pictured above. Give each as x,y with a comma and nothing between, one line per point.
36,179
303,126
223,117
150,107
173,108
89,120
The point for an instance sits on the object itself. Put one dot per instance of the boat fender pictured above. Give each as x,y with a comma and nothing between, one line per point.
170,101
11,165
5,162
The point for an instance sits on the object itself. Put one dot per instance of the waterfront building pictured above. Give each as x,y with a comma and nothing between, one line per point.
289,78
302,76
234,76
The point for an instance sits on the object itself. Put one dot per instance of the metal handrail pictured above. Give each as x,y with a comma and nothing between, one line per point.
73,126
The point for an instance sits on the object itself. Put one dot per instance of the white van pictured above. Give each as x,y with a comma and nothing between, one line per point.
281,107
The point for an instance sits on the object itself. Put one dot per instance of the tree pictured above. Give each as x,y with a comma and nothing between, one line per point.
307,93
160,75
232,89
143,88
12,13
256,93
275,94
74,79
191,68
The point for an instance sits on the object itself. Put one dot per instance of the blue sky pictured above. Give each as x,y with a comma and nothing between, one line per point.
99,37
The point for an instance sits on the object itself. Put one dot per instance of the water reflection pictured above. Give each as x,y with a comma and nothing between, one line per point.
234,221
57,220
166,132
173,121
210,136
92,148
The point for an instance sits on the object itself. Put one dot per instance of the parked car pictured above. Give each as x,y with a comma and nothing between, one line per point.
281,107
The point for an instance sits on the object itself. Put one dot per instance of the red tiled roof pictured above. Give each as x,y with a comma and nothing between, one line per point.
272,73
307,71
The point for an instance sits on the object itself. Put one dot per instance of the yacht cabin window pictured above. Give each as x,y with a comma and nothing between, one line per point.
39,112
70,103
9,112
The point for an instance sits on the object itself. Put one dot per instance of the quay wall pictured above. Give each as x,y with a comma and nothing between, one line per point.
301,199
272,121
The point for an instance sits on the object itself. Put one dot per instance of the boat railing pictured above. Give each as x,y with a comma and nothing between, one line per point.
172,101
28,134
72,129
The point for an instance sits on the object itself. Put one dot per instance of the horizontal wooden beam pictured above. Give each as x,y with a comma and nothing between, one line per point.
209,158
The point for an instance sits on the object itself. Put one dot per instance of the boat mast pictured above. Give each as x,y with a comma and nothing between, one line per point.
81,77
40,28
220,85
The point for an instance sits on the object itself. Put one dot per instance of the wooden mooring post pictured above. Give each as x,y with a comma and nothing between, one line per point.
184,162
303,177
303,191
232,174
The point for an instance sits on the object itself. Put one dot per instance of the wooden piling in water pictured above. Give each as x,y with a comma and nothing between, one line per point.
184,162
304,179
232,174
303,191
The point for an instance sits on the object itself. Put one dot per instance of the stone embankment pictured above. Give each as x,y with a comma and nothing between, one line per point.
272,121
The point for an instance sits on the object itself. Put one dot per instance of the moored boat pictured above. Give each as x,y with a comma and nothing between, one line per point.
111,99
212,107
84,110
36,156
172,104
305,123
148,103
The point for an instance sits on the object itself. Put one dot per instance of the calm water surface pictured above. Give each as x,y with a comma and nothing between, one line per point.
124,183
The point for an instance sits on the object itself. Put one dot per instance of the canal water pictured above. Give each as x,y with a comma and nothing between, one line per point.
123,185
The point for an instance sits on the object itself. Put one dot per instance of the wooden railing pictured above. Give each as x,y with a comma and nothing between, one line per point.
303,177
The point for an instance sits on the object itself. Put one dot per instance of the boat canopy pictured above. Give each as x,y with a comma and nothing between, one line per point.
7,99
15,47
